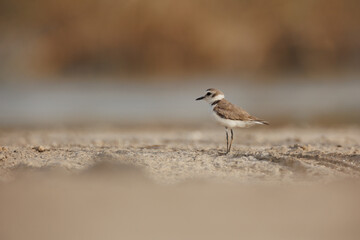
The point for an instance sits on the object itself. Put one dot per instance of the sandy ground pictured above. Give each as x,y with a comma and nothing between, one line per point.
176,183
175,154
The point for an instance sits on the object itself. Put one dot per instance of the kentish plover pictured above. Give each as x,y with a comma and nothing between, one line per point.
229,115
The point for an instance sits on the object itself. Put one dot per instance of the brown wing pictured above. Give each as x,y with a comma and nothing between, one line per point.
226,109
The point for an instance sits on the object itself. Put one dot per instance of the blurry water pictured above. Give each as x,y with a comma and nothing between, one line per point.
56,103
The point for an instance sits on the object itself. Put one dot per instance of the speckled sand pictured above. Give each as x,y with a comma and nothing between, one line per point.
175,154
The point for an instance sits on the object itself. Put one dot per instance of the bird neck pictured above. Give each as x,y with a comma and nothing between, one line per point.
216,99
214,103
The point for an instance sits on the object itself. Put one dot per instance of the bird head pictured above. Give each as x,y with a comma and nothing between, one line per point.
212,95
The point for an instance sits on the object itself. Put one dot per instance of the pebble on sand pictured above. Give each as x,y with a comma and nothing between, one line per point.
40,148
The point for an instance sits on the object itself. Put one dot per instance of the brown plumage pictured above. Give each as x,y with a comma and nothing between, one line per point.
227,110
229,115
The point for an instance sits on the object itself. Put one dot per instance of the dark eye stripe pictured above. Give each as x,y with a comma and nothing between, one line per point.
213,95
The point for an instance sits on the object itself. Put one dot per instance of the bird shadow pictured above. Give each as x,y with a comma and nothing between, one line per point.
221,153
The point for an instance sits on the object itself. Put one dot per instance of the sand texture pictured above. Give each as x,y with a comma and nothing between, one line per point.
176,183
175,154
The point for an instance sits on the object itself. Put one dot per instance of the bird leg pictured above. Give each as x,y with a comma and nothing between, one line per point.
227,140
232,137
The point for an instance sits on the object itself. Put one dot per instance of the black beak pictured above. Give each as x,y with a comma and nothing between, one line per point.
200,98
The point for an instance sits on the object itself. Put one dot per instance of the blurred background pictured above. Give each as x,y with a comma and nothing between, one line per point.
136,61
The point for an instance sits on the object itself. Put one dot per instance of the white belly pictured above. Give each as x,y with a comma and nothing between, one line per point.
233,123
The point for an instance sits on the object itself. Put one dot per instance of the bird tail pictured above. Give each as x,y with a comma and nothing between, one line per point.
262,122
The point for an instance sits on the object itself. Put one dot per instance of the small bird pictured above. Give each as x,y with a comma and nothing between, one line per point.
229,115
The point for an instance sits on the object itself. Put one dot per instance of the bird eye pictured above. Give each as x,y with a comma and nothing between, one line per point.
208,94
